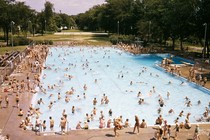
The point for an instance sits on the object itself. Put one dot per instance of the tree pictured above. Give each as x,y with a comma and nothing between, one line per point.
50,24
4,16
122,11
202,20
22,16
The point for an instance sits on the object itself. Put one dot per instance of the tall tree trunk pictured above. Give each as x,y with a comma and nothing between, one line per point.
207,46
181,44
165,43
7,34
200,41
173,43
203,45
4,34
204,50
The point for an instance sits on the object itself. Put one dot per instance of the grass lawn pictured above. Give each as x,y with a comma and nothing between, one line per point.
3,50
84,39
191,47
81,39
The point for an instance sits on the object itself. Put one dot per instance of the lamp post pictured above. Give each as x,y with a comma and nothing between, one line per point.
45,25
12,23
28,29
204,48
149,31
118,27
118,30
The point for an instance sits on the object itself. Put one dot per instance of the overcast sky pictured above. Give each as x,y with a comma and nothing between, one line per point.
70,7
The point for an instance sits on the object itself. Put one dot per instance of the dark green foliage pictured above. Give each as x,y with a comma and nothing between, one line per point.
154,21
127,39
44,42
20,40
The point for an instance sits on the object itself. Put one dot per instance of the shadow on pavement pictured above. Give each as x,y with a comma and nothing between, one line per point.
109,135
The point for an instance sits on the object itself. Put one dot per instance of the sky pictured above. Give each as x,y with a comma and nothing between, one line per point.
70,7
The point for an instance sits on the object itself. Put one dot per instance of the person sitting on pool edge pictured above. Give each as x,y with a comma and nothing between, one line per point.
143,124
187,124
86,126
79,125
20,113
126,125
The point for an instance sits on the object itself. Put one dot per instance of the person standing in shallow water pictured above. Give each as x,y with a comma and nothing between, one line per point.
51,123
137,124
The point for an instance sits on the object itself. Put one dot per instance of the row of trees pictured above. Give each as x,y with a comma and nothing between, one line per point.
152,20
20,19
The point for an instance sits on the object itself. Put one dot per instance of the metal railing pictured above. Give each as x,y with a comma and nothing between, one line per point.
11,63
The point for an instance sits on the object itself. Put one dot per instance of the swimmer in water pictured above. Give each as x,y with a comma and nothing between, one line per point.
181,113
94,101
84,96
199,102
168,95
153,88
189,104
59,96
66,99
170,111
139,94
182,83
85,87
50,105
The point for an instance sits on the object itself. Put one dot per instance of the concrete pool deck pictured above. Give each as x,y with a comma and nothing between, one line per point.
9,123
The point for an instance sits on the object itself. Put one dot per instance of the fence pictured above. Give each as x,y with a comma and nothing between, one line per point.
11,64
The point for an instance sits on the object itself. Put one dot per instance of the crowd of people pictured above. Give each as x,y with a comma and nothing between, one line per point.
33,63
193,76
137,48
16,86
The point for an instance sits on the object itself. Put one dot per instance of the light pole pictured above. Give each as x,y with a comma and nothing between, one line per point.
118,30
118,27
45,25
204,48
149,31
12,23
28,29
131,30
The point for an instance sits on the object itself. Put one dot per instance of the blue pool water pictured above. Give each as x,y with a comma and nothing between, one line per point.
114,70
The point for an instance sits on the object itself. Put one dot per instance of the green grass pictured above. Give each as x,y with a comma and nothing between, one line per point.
85,39
57,37
191,47
3,50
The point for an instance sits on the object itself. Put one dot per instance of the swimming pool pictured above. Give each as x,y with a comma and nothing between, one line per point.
110,71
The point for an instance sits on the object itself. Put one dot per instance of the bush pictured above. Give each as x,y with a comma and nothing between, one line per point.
127,39
44,42
2,37
20,40
113,39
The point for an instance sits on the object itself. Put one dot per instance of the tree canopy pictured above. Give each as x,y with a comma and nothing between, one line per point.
151,20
